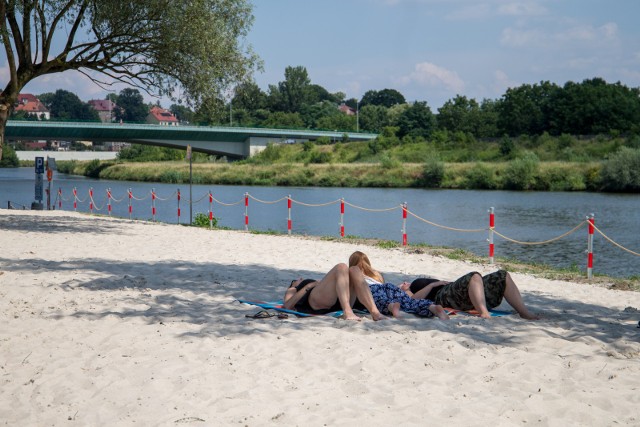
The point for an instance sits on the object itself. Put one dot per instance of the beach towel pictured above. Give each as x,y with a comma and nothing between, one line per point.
278,306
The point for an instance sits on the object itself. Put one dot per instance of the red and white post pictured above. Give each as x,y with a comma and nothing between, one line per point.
342,217
153,204
178,206
246,211
59,198
75,198
492,225
109,201
591,220
91,199
289,216
130,197
210,210
404,224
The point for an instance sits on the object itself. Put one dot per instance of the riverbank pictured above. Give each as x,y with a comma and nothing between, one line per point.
546,176
108,321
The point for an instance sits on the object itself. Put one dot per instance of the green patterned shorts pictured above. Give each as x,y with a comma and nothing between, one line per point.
456,294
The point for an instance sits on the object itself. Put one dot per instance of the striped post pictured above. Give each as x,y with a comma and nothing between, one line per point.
153,204
75,198
109,201
246,211
404,224
342,217
591,220
91,199
178,206
492,225
289,217
210,210
130,197
59,198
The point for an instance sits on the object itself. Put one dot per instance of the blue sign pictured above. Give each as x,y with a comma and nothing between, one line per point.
39,164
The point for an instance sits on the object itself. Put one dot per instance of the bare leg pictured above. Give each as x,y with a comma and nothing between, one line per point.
476,295
394,309
513,297
334,285
438,311
361,290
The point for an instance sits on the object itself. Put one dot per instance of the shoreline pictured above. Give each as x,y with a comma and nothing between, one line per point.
108,321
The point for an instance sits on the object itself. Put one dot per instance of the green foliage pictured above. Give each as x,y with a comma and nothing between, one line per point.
481,177
9,158
65,105
94,167
150,153
432,173
621,172
202,220
131,106
521,172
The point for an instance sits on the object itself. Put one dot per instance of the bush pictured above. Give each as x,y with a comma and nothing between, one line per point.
622,171
432,173
202,220
480,177
521,172
9,157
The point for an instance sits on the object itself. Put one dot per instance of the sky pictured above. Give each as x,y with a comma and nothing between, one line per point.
430,50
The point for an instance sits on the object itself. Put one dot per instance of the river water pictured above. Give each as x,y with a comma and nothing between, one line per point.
375,213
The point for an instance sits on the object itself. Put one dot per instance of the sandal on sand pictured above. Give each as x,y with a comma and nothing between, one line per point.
262,314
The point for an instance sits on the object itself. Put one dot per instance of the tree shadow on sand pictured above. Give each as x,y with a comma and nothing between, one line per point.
206,294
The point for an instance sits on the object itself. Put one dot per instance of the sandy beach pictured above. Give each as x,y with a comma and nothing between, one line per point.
108,322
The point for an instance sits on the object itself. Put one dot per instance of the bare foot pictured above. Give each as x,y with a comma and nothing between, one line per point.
394,309
378,316
529,316
438,311
351,316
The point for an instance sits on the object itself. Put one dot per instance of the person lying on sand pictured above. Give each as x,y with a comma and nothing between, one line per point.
333,292
471,291
389,298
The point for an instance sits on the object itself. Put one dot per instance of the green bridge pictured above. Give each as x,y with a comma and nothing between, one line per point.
233,142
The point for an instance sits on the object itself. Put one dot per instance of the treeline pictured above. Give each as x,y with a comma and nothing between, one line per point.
592,107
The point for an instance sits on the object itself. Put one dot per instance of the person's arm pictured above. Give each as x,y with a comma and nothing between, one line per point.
422,293
292,296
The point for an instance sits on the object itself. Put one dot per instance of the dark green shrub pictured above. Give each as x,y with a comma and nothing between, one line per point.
432,173
521,172
480,177
622,171
202,220
9,157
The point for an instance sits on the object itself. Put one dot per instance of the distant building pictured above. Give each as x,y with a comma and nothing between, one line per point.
105,108
31,106
347,110
160,116
116,146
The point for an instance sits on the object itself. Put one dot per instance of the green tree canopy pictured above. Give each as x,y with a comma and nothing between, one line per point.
131,106
65,105
385,97
153,45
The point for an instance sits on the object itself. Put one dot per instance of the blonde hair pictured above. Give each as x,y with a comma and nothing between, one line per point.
360,259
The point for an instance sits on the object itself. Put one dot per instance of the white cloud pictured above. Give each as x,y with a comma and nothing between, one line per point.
502,82
579,34
522,8
428,74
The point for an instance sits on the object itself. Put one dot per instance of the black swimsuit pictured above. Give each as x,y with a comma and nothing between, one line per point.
303,305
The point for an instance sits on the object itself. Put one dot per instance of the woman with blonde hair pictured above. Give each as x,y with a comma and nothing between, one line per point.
388,298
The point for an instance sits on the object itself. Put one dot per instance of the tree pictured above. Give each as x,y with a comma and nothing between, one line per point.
417,120
149,44
373,118
385,97
182,113
65,105
295,88
249,96
131,106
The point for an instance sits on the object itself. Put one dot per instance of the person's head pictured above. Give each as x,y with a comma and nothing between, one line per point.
361,260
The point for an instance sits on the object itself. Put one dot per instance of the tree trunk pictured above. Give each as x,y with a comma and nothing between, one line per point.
4,116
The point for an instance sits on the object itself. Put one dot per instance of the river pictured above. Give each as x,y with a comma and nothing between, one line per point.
376,213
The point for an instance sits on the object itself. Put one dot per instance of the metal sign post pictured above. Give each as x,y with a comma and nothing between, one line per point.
37,205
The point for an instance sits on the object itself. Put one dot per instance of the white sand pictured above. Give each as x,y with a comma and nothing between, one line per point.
109,322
